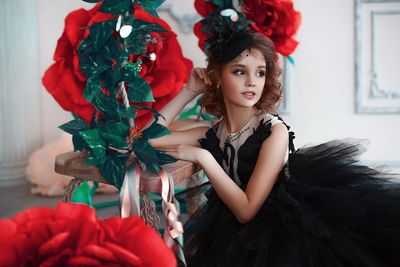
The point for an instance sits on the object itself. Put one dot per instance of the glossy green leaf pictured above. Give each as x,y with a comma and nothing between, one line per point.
106,104
113,169
116,6
118,128
140,91
100,32
93,88
84,46
147,155
82,194
112,78
154,131
91,67
96,145
151,5
79,143
114,140
146,27
74,126
124,112
164,158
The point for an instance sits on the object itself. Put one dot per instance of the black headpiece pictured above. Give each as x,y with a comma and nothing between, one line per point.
227,38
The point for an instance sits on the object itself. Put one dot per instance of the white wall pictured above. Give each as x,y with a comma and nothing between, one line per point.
322,80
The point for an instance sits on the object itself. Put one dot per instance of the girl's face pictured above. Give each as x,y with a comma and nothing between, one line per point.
242,80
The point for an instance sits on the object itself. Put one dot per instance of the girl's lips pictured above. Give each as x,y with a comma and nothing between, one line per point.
249,94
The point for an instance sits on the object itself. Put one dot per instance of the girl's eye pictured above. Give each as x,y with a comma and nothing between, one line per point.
260,74
238,72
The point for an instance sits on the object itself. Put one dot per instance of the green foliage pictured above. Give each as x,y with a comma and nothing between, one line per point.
96,145
113,169
147,155
92,88
151,5
139,90
106,61
74,126
100,32
116,6
155,130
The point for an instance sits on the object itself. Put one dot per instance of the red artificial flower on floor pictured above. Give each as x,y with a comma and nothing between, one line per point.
71,235
65,82
276,19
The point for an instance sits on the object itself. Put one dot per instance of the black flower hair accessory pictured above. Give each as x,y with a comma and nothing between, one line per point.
228,38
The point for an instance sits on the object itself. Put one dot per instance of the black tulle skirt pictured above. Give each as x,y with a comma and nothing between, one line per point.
325,210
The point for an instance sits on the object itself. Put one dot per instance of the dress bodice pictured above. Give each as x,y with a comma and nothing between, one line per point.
237,153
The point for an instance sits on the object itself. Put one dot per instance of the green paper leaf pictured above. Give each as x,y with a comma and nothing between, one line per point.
147,155
139,90
117,128
124,112
96,145
164,158
115,6
84,46
146,27
154,131
114,140
82,194
151,5
93,88
106,104
112,78
113,169
74,126
100,32
91,67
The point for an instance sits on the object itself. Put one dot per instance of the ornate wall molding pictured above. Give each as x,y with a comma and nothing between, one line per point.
376,30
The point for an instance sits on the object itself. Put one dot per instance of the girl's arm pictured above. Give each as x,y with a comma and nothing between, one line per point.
244,204
195,86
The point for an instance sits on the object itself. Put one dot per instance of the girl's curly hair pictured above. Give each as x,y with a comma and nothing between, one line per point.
213,101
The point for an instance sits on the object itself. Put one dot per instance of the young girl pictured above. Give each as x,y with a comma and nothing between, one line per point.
269,205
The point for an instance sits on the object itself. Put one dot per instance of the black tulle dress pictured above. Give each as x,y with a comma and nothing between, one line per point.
324,210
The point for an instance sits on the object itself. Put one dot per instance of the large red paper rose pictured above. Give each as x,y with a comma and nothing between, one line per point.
276,19
71,235
65,82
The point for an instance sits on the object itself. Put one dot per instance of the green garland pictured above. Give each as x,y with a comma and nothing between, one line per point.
111,137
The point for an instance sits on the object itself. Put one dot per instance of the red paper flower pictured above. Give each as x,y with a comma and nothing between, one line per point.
65,82
197,29
204,8
168,73
276,19
71,235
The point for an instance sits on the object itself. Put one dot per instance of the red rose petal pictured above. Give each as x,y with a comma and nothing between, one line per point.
84,261
96,251
54,244
8,228
123,254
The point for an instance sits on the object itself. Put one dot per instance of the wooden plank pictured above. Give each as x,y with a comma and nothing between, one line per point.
73,164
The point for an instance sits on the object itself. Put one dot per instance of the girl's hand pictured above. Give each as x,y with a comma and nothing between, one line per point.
185,152
198,80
